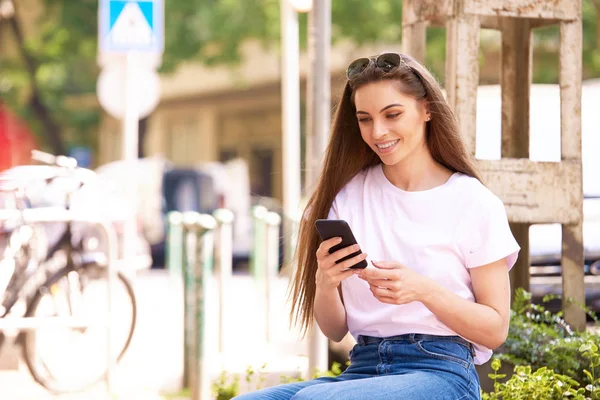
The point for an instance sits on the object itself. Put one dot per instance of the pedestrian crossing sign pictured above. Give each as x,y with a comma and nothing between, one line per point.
131,25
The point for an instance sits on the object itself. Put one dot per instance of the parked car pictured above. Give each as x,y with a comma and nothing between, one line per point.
545,240
183,189
163,187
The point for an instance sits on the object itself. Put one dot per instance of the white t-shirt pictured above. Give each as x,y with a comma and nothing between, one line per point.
440,233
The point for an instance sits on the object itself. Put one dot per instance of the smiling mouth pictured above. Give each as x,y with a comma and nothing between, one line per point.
387,145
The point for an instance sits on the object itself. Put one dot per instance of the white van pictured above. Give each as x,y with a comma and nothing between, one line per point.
545,239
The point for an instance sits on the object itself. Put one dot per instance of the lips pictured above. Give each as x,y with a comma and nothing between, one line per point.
387,146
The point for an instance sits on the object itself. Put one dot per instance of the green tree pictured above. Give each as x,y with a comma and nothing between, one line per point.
58,59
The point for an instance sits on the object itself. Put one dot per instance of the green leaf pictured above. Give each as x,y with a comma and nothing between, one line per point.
496,364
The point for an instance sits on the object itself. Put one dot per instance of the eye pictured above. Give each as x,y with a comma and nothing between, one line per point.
364,119
393,116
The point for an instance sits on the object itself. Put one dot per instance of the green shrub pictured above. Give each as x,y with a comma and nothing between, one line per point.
225,388
539,338
524,384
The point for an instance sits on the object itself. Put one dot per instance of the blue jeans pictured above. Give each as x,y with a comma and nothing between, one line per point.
411,367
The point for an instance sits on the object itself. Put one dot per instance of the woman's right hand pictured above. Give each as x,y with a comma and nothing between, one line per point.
329,274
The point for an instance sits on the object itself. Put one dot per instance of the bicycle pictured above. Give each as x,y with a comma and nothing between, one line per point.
81,270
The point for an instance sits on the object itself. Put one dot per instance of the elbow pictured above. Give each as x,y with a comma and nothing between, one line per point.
334,333
498,337
336,336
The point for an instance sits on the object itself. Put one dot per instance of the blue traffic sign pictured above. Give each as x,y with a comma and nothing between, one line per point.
131,25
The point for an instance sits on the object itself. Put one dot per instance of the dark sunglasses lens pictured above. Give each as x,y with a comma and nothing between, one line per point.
389,61
357,67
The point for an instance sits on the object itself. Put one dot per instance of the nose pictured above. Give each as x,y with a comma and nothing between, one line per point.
379,129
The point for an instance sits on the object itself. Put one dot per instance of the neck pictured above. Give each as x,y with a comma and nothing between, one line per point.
419,171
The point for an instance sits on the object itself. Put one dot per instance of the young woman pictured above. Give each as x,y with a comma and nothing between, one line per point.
435,299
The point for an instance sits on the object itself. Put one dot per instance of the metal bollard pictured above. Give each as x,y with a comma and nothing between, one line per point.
174,249
201,226
188,238
258,256
273,221
223,258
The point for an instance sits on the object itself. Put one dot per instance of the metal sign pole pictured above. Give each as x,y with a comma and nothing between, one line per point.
130,154
290,118
318,120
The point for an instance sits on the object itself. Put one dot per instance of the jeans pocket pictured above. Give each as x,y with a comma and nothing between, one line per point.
448,351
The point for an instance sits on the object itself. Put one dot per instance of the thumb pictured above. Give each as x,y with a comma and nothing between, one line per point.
386,264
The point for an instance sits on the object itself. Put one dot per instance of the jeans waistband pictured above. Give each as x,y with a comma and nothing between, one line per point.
416,337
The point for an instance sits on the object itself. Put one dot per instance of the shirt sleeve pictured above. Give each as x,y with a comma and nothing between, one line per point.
488,237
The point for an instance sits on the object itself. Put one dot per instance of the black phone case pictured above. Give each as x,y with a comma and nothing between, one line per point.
329,228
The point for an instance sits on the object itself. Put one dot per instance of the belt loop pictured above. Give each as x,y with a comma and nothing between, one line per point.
412,337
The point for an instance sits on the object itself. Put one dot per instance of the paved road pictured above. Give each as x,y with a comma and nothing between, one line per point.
154,362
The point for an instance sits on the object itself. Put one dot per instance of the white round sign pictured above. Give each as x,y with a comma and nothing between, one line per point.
111,86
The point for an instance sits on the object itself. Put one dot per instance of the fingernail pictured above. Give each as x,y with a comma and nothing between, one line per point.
356,247
338,240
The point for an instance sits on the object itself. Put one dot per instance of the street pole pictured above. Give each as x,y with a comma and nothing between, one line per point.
318,120
130,154
290,116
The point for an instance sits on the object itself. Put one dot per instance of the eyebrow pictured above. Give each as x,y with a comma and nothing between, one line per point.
383,109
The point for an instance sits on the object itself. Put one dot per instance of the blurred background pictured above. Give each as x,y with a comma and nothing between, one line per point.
213,139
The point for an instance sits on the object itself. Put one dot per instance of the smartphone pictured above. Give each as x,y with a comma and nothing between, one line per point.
329,228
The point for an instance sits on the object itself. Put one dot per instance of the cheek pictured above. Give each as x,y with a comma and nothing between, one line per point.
364,133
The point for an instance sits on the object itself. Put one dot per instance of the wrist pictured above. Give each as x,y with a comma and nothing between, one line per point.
429,292
326,291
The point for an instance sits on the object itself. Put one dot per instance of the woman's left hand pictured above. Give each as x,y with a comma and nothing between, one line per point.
394,283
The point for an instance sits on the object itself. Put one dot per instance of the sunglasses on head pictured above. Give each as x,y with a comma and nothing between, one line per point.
387,62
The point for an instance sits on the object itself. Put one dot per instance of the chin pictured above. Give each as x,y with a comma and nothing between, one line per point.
391,159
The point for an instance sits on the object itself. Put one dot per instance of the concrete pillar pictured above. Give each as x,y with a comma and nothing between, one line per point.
515,84
413,32
570,77
462,73
523,185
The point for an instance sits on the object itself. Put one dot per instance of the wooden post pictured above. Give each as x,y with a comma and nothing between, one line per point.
572,259
516,84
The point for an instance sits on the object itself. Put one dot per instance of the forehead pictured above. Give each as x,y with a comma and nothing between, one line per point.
377,95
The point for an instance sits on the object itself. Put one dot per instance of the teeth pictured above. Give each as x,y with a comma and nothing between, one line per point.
387,145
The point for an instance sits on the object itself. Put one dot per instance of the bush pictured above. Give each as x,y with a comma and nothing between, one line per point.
524,384
539,338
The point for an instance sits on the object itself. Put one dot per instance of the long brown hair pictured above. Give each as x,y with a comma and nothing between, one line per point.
347,154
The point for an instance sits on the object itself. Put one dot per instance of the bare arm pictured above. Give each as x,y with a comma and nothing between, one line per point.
487,320
330,314
328,307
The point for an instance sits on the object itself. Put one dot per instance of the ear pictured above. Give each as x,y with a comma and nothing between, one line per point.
427,112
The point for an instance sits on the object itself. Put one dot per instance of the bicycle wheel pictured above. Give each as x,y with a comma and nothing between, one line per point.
66,359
